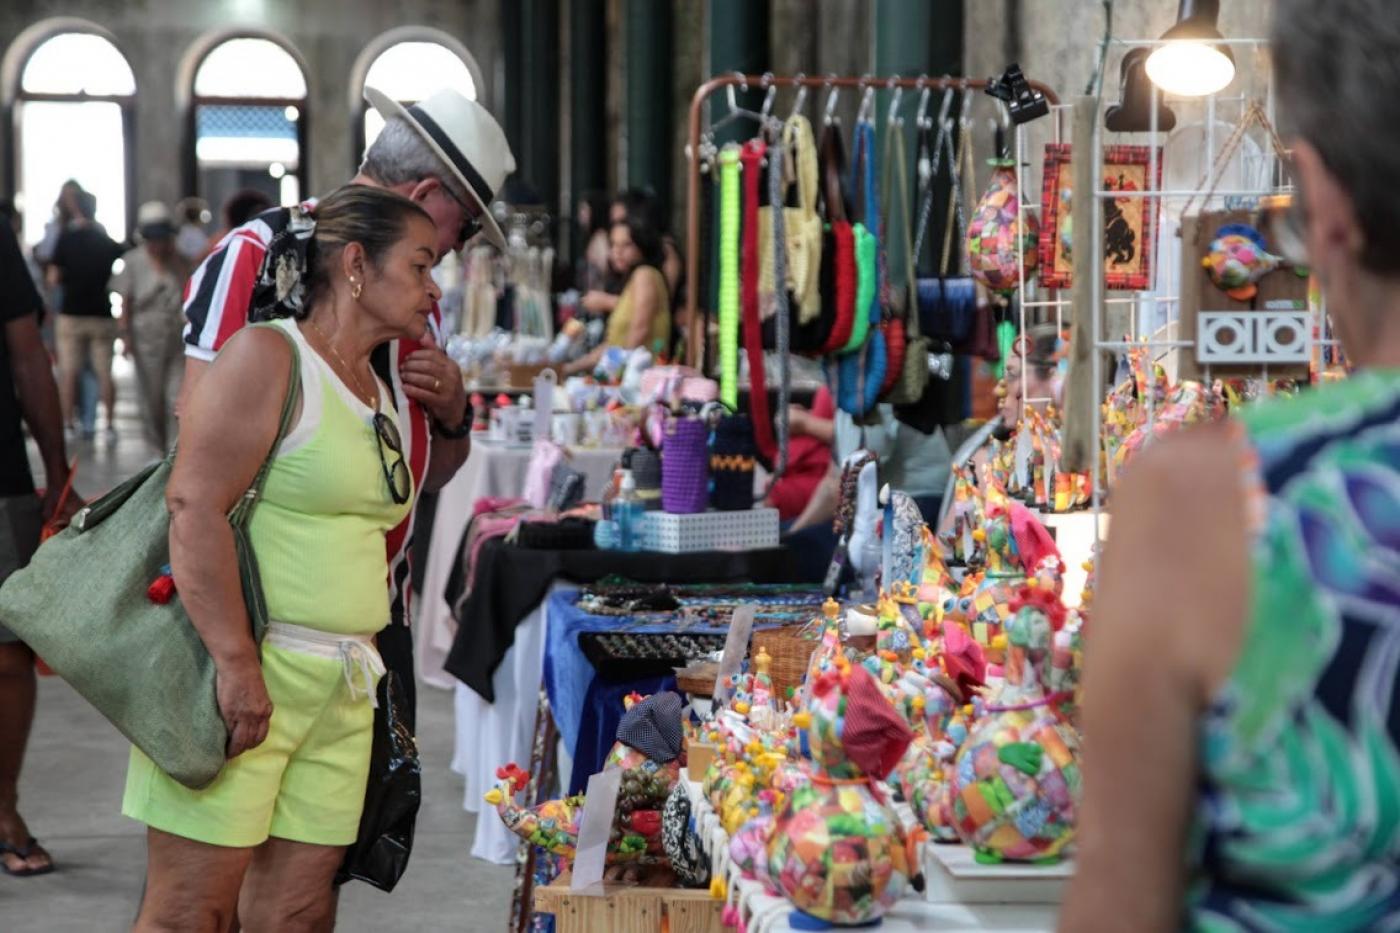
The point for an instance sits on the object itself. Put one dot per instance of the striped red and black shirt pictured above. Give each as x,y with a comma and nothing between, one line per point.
218,299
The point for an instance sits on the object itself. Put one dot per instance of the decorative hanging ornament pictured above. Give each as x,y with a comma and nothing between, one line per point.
992,235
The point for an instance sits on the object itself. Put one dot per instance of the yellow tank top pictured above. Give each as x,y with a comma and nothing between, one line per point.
620,321
318,531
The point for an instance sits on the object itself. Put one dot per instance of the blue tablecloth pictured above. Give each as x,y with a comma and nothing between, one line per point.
587,707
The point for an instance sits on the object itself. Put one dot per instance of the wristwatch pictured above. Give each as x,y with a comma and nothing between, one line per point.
459,432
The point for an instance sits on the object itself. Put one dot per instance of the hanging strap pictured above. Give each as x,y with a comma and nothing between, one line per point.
782,323
243,509
931,147
1254,114
833,165
797,141
896,183
752,158
729,212
958,165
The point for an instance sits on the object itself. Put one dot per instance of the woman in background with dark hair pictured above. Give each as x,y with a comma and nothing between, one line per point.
642,317
591,272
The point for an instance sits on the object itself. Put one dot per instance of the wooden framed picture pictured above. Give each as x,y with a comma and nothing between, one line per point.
1130,229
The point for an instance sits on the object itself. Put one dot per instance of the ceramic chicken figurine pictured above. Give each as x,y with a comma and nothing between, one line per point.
994,229
1016,780
902,539
862,546
1237,260
647,751
838,852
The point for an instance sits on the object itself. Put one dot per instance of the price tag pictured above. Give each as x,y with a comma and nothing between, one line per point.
595,829
736,648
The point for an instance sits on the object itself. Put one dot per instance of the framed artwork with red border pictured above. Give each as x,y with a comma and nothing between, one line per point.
1130,228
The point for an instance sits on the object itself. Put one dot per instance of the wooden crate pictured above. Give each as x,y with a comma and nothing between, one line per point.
625,908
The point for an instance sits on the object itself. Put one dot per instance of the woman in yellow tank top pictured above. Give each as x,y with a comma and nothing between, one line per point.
642,317
268,834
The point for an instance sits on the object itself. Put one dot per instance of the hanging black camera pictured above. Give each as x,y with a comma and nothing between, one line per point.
1023,102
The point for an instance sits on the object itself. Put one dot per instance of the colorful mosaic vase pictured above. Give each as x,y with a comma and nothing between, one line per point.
994,231
1016,780
838,852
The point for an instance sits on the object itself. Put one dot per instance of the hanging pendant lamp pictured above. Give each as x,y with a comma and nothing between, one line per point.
1133,112
1194,62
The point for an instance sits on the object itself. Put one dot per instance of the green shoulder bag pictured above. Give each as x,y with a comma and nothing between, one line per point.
82,605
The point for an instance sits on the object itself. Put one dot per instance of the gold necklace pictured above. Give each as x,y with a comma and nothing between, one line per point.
360,386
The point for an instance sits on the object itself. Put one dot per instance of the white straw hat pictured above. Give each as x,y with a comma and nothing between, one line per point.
467,139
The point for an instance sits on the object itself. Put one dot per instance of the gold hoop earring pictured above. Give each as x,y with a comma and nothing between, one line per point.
355,289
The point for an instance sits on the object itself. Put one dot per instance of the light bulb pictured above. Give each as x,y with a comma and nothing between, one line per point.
1189,68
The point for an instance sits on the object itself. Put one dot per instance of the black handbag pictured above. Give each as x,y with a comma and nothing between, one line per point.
379,855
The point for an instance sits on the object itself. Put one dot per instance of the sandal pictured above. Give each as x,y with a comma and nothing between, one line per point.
24,853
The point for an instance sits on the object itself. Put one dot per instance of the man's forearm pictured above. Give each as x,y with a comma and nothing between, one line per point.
447,458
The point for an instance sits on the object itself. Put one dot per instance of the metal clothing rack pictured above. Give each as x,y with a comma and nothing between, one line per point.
698,323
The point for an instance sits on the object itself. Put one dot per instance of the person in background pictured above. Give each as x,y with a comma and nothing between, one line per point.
27,395
811,434
636,202
1242,754
262,842
239,208
455,185
592,272
642,317
85,330
151,284
192,239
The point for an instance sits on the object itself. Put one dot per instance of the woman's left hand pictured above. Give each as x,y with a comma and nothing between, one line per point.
433,380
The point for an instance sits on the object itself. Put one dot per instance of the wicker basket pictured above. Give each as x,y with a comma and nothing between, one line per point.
790,647
698,679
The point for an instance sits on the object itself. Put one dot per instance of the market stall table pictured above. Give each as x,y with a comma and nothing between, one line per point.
497,471
499,651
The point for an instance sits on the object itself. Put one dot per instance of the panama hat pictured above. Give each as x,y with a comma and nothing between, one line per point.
467,139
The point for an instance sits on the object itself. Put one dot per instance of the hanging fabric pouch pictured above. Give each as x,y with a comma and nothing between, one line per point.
802,228
948,303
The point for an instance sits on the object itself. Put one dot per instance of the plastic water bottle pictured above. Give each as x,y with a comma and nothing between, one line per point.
627,514
605,532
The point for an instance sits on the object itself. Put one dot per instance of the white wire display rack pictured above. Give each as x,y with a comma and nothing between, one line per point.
1164,299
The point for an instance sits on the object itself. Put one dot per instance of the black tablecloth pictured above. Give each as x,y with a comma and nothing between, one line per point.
511,582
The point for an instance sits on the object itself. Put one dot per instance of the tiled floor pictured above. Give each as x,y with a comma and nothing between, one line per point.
71,792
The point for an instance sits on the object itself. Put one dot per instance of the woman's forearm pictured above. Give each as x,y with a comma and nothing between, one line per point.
204,563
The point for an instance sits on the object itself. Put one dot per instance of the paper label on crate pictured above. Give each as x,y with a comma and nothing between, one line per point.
595,829
736,648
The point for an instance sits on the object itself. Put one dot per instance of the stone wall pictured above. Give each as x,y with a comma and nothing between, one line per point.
158,36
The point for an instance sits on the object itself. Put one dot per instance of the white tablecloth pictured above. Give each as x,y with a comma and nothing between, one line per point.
489,735
491,470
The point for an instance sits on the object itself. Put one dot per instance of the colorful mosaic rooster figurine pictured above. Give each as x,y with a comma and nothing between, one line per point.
648,753
1016,780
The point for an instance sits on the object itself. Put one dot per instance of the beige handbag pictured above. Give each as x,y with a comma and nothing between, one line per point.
802,228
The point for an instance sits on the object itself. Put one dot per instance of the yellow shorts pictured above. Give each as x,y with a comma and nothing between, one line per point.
305,783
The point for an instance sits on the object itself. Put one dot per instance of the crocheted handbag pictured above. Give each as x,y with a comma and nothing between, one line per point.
908,350
685,466
801,224
843,242
732,457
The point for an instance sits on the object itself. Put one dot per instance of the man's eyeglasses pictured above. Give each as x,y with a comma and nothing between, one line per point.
471,221
396,474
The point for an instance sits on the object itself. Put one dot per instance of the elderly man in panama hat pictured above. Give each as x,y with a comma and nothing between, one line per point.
450,156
